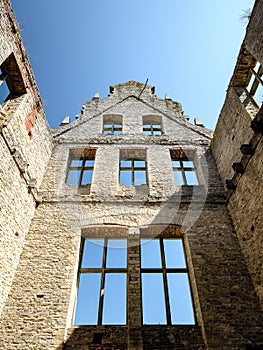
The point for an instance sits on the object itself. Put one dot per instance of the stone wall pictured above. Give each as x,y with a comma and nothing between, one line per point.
26,146
237,148
44,289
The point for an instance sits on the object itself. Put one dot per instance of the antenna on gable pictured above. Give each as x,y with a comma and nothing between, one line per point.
143,87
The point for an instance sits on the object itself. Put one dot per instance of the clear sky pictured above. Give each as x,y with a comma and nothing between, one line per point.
187,48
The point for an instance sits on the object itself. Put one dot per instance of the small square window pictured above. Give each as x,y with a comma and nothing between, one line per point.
112,125
152,125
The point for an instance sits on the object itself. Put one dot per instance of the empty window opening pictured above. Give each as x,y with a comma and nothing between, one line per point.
184,169
152,125
133,172
133,167
166,294
255,85
102,285
112,125
11,81
80,168
4,90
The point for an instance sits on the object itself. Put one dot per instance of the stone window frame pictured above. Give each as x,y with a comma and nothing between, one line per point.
132,155
81,154
114,124
152,125
184,155
164,271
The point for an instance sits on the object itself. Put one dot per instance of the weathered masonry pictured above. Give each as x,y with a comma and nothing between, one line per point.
239,135
130,227
25,147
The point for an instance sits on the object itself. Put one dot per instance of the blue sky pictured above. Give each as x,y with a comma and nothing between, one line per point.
187,48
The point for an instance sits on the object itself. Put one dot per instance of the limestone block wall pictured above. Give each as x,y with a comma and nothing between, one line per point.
232,130
240,125
26,146
45,286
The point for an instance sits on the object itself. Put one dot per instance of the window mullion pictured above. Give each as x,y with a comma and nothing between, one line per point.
256,75
81,171
102,286
167,303
132,170
183,172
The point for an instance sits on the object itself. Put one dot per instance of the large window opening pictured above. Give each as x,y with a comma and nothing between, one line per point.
102,285
166,294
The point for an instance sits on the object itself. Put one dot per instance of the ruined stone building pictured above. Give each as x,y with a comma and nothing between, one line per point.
130,227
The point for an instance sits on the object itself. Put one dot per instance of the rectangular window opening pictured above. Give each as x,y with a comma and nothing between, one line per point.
166,293
112,124
184,169
133,168
80,167
102,287
152,125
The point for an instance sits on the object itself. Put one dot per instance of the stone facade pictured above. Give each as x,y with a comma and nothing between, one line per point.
45,217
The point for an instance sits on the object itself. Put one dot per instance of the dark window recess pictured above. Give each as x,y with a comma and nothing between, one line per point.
11,81
166,294
97,338
102,283
133,172
80,168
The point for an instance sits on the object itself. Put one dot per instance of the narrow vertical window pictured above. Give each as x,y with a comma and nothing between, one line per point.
102,294
112,125
4,90
152,125
255,85
166,295
80,168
